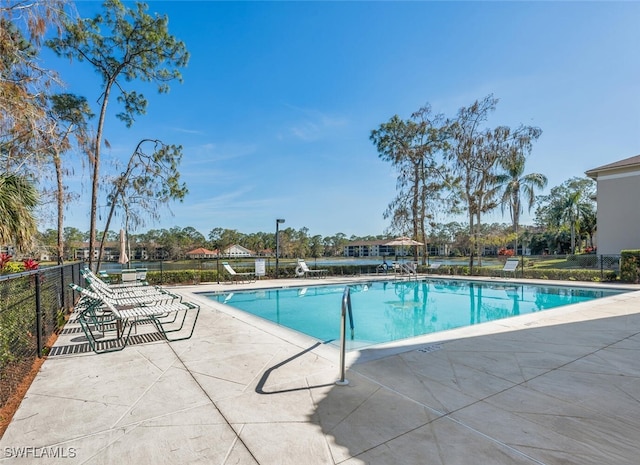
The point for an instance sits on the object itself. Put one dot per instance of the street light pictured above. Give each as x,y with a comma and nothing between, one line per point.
278,222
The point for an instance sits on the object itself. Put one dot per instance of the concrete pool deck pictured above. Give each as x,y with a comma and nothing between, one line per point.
556,387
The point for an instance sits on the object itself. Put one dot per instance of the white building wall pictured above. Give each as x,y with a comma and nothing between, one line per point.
618,212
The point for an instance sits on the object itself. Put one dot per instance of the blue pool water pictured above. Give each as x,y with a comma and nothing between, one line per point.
392,310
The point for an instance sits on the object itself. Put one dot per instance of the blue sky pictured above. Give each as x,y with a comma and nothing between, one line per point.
279,99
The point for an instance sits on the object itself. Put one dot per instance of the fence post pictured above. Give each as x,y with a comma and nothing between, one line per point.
601,267
62,298
38,316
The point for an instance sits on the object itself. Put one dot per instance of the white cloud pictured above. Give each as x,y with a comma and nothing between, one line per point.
314,124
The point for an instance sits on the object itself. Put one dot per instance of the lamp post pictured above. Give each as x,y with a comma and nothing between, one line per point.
278,222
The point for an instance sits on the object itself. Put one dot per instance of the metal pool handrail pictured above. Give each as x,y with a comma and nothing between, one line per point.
346,309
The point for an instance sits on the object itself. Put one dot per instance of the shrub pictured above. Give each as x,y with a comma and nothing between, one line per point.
197,276
30,264
181,276
4,259
630,266
506,252
12,268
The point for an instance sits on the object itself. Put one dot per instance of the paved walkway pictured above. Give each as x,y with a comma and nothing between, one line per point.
558,387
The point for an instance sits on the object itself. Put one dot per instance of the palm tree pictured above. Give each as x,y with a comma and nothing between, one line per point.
574,208
516,185
18,199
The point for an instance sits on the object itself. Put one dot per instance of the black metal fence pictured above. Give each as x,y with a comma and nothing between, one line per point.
596,262
33,306
582,267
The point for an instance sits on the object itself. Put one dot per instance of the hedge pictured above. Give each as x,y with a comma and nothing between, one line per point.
630,266
202,276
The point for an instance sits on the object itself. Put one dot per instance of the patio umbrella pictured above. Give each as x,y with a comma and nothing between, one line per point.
402,242
123,249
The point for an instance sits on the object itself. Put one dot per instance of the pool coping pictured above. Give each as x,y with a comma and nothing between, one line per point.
428,342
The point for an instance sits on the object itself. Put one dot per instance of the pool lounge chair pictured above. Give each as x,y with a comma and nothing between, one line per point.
247,277
87,273
302,270
94,282
127,299
124,292
383,268
108,326
435,266
511,266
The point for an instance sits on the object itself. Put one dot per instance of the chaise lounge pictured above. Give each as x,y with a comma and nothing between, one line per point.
511,266
247,277
302,270
107,323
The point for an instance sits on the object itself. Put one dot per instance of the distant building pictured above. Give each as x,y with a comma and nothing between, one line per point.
111,251
379,248
201,253
369,249
237,251
618,213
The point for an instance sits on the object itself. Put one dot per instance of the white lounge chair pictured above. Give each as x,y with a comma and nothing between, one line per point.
100,314
248,276
124,299
95,282
511,266
302,270
434,266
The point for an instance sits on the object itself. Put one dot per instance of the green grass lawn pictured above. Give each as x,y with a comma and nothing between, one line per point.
553,263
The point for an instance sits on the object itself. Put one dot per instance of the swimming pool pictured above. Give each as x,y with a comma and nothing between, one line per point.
385,311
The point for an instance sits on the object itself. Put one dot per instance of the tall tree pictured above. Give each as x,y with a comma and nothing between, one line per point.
516,185
122,45
300,242
469,161
315,246
229,237
575,208
334,245
149,181
69,113
73,239
567,207
413,147
23,82
477,155
25,126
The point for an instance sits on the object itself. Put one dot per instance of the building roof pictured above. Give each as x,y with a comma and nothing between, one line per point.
369,243
235,249
201,251
626,163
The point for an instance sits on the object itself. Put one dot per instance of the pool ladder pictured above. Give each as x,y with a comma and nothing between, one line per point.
345,311
410,269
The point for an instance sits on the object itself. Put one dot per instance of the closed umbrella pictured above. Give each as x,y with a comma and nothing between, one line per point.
123,249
